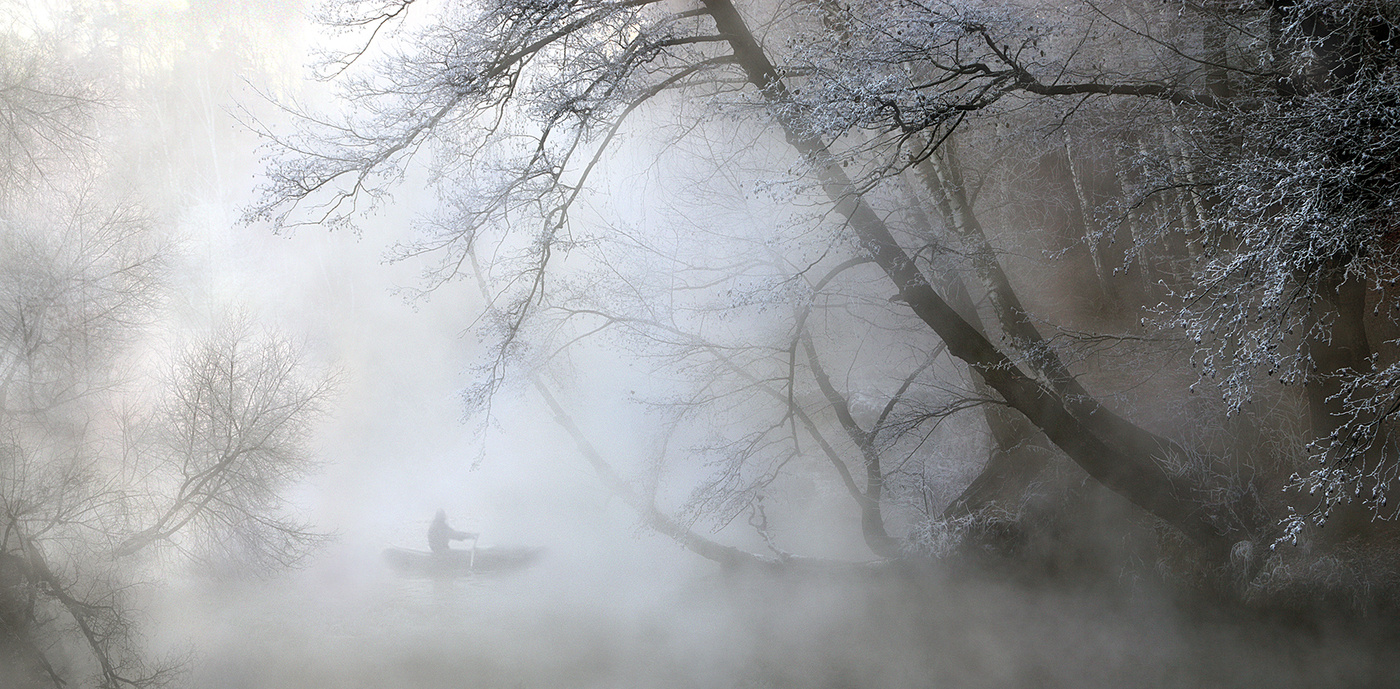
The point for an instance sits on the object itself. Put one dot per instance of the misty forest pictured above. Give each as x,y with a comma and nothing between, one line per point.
779,343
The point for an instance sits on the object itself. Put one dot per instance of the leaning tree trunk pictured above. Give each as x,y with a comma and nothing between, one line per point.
1123,457
1019,451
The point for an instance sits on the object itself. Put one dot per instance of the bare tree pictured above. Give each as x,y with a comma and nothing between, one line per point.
224,444
1279,237
105,458
101,461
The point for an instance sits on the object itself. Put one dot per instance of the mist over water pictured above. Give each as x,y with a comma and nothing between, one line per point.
612,602
346,622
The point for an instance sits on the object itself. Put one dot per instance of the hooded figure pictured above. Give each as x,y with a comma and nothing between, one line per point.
440,534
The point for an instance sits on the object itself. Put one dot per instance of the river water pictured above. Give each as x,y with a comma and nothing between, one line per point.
348,621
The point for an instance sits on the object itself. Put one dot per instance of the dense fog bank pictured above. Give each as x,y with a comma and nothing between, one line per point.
631,628
765,344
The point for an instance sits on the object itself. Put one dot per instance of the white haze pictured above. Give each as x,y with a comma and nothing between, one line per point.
612,604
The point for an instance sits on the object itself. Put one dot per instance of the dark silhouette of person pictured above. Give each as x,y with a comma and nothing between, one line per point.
440,535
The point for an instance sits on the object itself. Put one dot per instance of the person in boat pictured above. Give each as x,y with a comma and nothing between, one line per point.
440,535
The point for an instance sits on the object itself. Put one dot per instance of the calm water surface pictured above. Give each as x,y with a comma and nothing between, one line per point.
348,621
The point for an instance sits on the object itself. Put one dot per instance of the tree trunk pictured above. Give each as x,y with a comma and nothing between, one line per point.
1083,210
1019,452
1121,456
872,522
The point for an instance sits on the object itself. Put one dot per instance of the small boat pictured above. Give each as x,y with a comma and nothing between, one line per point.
460,562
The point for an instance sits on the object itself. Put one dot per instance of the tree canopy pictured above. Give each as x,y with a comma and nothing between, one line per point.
132,442
1154,239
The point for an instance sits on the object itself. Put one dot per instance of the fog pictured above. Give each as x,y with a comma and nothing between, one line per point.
704,508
